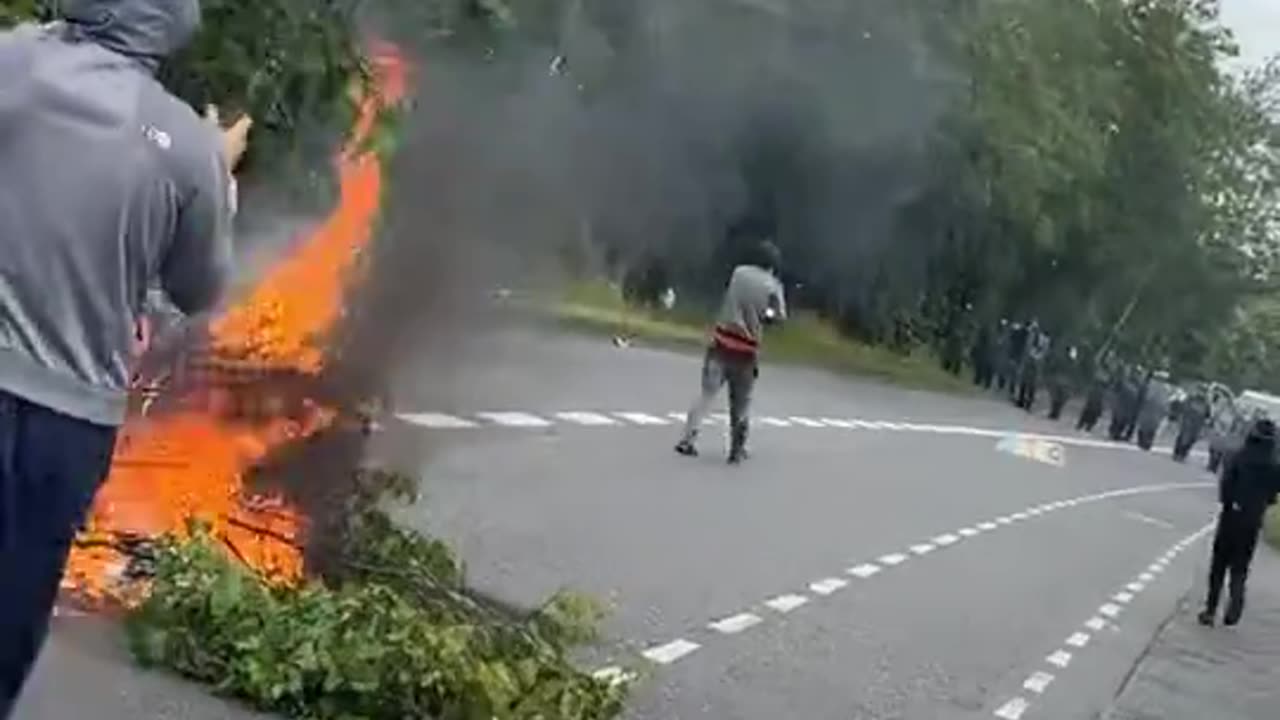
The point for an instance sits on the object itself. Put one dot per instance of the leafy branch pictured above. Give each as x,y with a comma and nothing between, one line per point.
393,633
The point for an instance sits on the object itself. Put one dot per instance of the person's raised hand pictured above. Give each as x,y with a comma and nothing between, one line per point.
235,139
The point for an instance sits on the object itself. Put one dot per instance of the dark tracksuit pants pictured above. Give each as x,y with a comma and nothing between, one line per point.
1058,396
1091,412
1188,434
50,467
1233,546
1028,386
722,367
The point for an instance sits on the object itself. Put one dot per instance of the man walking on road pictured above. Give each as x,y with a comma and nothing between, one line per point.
1248,487
110,186
753,300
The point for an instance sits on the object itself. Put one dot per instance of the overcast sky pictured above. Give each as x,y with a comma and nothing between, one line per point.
1257,27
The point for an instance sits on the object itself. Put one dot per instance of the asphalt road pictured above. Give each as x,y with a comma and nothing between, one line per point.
878,557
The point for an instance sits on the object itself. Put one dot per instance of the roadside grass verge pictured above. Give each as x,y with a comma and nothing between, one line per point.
1272,530
805,339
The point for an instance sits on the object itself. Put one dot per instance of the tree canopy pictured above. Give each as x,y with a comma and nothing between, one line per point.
1093,165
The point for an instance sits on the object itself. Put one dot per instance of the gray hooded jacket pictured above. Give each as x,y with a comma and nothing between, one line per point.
109,187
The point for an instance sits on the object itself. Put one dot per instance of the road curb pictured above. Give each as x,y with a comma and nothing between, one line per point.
1188,672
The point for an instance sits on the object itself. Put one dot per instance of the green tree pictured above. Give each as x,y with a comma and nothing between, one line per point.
290,63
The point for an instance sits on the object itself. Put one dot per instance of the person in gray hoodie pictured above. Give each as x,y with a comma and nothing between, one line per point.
753,299
110,187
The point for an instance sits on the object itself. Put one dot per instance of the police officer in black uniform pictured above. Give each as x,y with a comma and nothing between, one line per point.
1191,419
1247,488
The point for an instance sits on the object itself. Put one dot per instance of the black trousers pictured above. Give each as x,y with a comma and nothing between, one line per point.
1233,546
1089,415
1146,436
1188,435
1027,389
50,467
1058,397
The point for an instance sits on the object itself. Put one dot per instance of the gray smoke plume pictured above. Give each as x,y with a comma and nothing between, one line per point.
666,128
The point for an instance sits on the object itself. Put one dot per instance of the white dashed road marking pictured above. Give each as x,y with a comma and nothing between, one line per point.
736,623
515,419
1013,709
437,421
787,603
640,418
589,419
681,647
828,586
1038,683
1060,659
671,652
864,571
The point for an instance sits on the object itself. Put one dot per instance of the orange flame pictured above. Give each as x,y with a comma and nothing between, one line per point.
193,464
283,318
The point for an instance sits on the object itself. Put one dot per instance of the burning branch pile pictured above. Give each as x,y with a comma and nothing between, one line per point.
393,633
378,623
190,458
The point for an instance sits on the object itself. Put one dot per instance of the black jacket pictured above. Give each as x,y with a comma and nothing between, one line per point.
1250,481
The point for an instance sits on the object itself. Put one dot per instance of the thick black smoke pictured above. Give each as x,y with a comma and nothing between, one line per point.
668,129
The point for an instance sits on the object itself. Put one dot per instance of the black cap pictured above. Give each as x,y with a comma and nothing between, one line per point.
766,255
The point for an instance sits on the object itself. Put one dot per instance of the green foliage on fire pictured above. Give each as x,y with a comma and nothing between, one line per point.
391,632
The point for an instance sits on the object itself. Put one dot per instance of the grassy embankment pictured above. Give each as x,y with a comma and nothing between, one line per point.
804,340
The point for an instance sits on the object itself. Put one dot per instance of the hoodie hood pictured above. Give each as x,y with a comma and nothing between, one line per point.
145,30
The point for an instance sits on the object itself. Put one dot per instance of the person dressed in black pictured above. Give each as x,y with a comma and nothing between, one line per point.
1037,348
1248,487
983,358
1093,402
1142,385
1124,404
1061,370
1192,416
1016,351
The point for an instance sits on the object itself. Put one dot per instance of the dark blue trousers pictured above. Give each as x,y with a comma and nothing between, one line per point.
50,467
